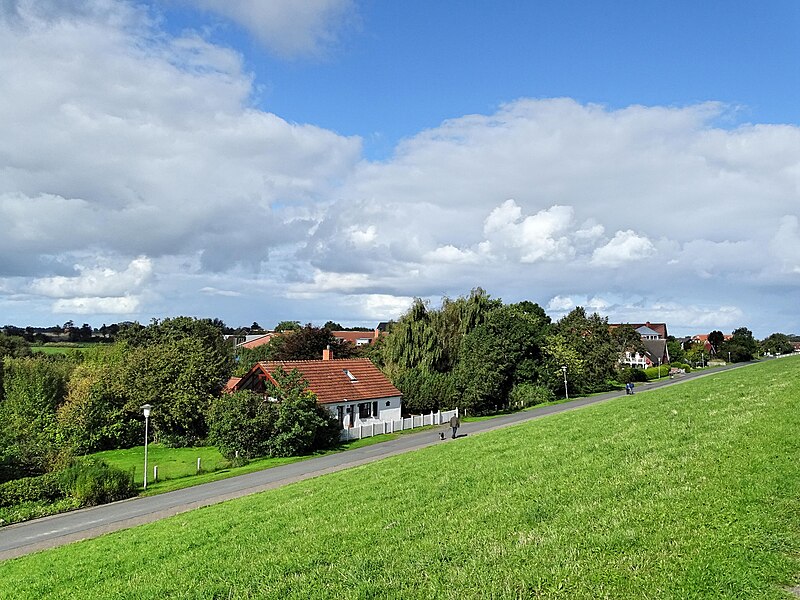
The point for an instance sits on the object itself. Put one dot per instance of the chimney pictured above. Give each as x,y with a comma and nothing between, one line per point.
327,354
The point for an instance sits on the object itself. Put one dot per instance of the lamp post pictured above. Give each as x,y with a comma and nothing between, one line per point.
729,356
659,367
566,390
146,410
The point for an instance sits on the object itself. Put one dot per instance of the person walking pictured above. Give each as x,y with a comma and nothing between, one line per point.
455,423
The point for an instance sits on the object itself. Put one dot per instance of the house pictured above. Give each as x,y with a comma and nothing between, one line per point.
357,338
251,340
702,339
353,389
654,339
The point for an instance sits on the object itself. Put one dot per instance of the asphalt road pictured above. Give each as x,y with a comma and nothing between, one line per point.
48,532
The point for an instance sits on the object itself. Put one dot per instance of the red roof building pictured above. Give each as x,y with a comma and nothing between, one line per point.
354,389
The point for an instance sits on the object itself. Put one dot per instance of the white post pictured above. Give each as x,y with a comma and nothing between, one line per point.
198,464
146,411
155,473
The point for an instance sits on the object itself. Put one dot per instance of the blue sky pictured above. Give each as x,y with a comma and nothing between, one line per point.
333,159
403,67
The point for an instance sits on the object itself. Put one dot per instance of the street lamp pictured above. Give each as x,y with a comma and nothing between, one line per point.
566,391
146,410
729,356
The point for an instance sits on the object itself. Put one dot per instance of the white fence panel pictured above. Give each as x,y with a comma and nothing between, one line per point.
382,427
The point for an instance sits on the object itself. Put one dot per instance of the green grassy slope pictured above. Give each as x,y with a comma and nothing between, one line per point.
691,491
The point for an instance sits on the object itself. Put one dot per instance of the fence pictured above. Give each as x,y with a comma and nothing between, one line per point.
382,427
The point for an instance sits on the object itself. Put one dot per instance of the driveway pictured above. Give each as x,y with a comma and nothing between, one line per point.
57,530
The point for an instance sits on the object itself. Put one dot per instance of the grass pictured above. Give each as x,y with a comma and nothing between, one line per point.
691,491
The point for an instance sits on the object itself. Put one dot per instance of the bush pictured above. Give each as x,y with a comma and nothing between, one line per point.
528,394
44,488
243,422
95,482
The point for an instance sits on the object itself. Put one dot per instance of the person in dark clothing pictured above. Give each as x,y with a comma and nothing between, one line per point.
455,423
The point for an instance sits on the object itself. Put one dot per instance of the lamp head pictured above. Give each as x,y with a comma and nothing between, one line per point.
146,410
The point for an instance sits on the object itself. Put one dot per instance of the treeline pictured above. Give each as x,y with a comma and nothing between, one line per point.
56,407
480,354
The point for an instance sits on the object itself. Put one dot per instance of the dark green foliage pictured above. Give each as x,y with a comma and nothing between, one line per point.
504,350
34,389
287,326
241,422
625,338
307,343
742,346
777,343
302,425
43,488
178,366
631,374
286,421
527,394
425,391
14,345
95,482
98,413
716,338
590,339
675,351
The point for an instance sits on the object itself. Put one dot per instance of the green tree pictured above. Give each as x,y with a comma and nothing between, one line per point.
505,350
715,339
777,343
287,326
426,391
676,352
14,345
590,337
742,346
242,422
302,425
626,339
99,413
307,343
34,388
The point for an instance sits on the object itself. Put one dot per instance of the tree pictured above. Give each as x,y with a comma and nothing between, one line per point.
242,422
741,345
287,326
626,339
777,343
332,326
307,343
590,337
98,413
505,350
34,388
715,340
676,352
14,345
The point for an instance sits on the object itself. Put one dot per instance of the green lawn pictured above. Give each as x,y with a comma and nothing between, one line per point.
691,491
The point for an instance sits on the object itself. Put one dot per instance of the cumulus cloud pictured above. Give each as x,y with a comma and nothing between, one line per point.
626,246
96,281
288,27
120,140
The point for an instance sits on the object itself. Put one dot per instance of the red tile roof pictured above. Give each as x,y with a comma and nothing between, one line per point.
328,379
354,336
258,342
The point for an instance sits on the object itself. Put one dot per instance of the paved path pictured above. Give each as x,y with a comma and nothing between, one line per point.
57,530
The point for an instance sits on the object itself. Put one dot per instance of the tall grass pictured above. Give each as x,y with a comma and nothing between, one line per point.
691,491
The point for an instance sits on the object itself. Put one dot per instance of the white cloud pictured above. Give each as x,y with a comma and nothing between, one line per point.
123,305
786,244
288,27
626,246
100,282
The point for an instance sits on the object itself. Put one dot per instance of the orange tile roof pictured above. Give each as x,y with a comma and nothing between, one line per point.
328,379
354,336
259,342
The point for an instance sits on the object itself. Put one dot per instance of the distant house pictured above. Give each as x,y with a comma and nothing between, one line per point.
353,389
702,338
654,339
250,340
358,338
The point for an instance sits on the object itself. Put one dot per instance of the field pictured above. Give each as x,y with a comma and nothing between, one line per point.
691,491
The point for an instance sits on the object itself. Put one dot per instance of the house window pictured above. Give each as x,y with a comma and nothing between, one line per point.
350,375
365,410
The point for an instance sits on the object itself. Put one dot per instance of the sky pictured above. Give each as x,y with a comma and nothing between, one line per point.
270,160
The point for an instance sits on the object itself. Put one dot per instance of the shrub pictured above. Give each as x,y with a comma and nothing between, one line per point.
44,488
95,482
243,422
528,394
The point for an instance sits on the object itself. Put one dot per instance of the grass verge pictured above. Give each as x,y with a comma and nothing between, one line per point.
691,491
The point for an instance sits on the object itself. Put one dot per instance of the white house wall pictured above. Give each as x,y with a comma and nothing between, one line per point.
388,410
